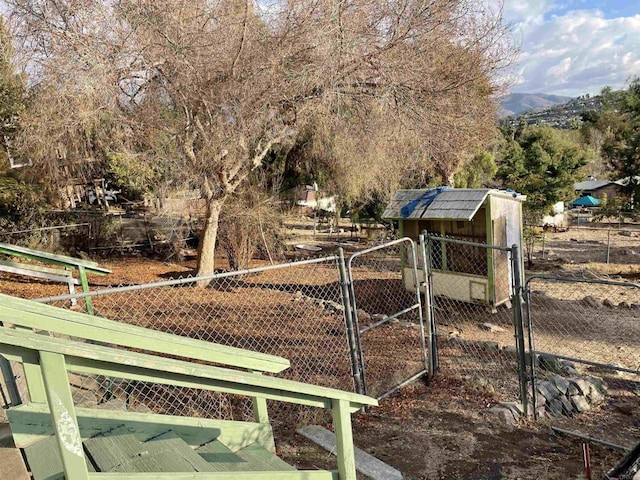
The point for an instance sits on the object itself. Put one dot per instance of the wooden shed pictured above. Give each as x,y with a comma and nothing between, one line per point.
480,215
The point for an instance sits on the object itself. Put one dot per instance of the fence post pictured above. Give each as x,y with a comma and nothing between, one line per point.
518,319
428,314
348,319
608,245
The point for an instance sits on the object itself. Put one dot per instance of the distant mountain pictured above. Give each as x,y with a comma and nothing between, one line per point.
563,116
518,103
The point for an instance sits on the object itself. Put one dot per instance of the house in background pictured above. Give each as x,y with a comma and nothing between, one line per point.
311,199
601,188
597,188
485,216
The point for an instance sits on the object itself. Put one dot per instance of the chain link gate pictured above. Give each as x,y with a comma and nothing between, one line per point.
386,310
584,353
475,312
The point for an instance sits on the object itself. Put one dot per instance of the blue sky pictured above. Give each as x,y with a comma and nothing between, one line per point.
573,47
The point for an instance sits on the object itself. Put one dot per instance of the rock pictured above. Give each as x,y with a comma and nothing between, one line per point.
548,390
455,333
555,407
298,294
569,370
573,389
595,396
628,233
516,408
624,305
634,306
561,383
583,385
338,307
608,303
363,315
489,346
490,327
394,321
592,302
505,415
378,317
567,406
628,252
580,403
549,363
510,350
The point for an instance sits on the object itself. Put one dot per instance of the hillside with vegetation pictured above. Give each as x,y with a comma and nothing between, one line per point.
519,103
566,115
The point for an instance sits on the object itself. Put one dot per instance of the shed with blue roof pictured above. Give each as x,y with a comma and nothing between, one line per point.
480,215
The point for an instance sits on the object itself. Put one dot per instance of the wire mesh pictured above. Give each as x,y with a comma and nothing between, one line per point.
392,349
293,310
585,327
585,245
473,316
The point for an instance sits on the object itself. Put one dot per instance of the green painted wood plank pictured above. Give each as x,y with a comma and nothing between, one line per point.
30,268
297,475
93,359
82,273
223,459
46,257
111,448
45,461
120,451
62,413
258,452
344,440
32,422
220,457
35,315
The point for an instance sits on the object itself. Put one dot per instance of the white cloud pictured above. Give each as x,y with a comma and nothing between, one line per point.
573,53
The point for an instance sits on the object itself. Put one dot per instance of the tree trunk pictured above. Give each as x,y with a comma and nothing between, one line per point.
207,243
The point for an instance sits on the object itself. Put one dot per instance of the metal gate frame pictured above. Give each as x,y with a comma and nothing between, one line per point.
517,297
358,332
531,324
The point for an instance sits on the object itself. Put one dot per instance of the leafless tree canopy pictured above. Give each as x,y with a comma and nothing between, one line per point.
382,86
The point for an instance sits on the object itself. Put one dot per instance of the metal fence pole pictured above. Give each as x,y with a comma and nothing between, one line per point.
432,312
532,354
427,315
10,382
608,245
348,318
518,318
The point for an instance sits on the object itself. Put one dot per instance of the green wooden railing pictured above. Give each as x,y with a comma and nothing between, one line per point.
65,274
47,360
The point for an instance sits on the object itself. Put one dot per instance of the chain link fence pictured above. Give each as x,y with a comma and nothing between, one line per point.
293,310
387,311
471,304
583,245
584,343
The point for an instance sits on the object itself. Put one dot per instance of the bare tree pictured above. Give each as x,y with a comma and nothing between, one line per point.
386,86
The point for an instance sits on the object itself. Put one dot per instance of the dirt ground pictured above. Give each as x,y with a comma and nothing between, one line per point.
442,430
426,435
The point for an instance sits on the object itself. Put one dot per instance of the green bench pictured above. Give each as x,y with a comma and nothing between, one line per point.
59,438
62,270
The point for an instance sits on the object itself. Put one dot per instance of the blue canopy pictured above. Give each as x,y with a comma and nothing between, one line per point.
586,201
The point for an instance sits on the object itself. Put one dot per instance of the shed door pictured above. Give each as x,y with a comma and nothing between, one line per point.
501,264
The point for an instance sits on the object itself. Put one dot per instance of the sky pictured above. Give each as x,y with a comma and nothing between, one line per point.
574,47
